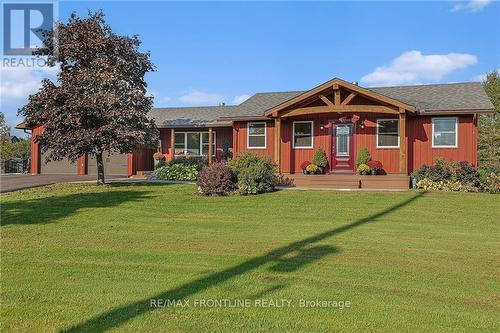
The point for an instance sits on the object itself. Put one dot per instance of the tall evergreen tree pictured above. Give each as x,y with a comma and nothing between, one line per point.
489,128
99,102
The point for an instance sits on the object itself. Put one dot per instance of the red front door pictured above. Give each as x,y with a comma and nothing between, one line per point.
343,147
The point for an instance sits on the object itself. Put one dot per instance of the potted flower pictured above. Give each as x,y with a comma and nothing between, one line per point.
158,157
304,165
320,159
363,169
375,166
312,169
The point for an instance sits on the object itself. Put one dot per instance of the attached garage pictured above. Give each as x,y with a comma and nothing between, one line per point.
57,167
114,164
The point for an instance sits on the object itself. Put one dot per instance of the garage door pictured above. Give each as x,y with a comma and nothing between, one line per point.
114,164
57,167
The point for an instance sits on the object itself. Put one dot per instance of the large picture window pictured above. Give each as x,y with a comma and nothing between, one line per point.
303,134
444,132
256,135
388,133
193,143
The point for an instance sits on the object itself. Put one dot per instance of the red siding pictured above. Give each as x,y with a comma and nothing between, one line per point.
292,158
420,149
366,138
35,150
240,139
140,160
419,141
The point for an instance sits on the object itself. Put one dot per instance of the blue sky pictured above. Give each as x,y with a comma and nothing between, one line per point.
210,52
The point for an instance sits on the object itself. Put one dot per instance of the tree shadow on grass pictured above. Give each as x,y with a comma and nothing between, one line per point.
52,208
283,258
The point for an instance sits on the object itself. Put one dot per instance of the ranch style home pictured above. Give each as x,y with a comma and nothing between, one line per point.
403,127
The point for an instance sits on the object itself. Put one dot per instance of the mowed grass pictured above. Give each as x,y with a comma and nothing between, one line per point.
83,258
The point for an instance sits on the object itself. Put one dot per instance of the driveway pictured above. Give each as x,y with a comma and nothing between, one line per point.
14,182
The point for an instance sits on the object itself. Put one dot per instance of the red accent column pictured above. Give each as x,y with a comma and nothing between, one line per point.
81,166
131,169
35,150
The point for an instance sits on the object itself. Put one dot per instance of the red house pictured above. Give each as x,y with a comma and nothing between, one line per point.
404,127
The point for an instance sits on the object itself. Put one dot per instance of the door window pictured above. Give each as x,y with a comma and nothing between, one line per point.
343,136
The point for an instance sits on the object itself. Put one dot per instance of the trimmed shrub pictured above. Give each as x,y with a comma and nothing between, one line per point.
255,174
466,173
216,179
197,162
434,173
363,156
177,171
452,176
446,185
319,158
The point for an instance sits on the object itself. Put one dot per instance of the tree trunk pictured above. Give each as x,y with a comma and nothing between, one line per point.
100,168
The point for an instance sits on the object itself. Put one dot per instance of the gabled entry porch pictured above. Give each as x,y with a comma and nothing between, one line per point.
341,118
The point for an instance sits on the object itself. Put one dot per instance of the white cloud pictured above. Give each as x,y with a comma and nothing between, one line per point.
16,84
240,99
414,67
479,78
197,97
473,6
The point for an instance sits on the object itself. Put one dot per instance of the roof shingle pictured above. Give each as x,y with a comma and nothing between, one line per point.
452,97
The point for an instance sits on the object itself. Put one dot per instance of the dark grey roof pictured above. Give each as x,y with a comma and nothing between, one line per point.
440,97
259,103
190,116
451,97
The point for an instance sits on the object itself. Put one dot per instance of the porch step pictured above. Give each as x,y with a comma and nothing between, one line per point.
325,181
351,181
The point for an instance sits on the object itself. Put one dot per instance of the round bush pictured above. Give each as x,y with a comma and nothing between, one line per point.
255,174
216,179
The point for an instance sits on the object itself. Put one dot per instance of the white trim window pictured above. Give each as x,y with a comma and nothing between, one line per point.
303,134
193,144
388,133
257,135
445,132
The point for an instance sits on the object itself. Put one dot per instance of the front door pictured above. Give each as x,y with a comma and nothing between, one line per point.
343,147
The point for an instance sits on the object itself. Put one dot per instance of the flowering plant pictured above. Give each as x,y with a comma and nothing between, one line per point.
304,165
374,164
158,156
312,168
363,169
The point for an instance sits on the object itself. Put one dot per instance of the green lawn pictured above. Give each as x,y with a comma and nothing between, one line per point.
84,258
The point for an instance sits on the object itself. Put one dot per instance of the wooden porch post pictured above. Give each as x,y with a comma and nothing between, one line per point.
172,144
277,142
402,144
210,143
